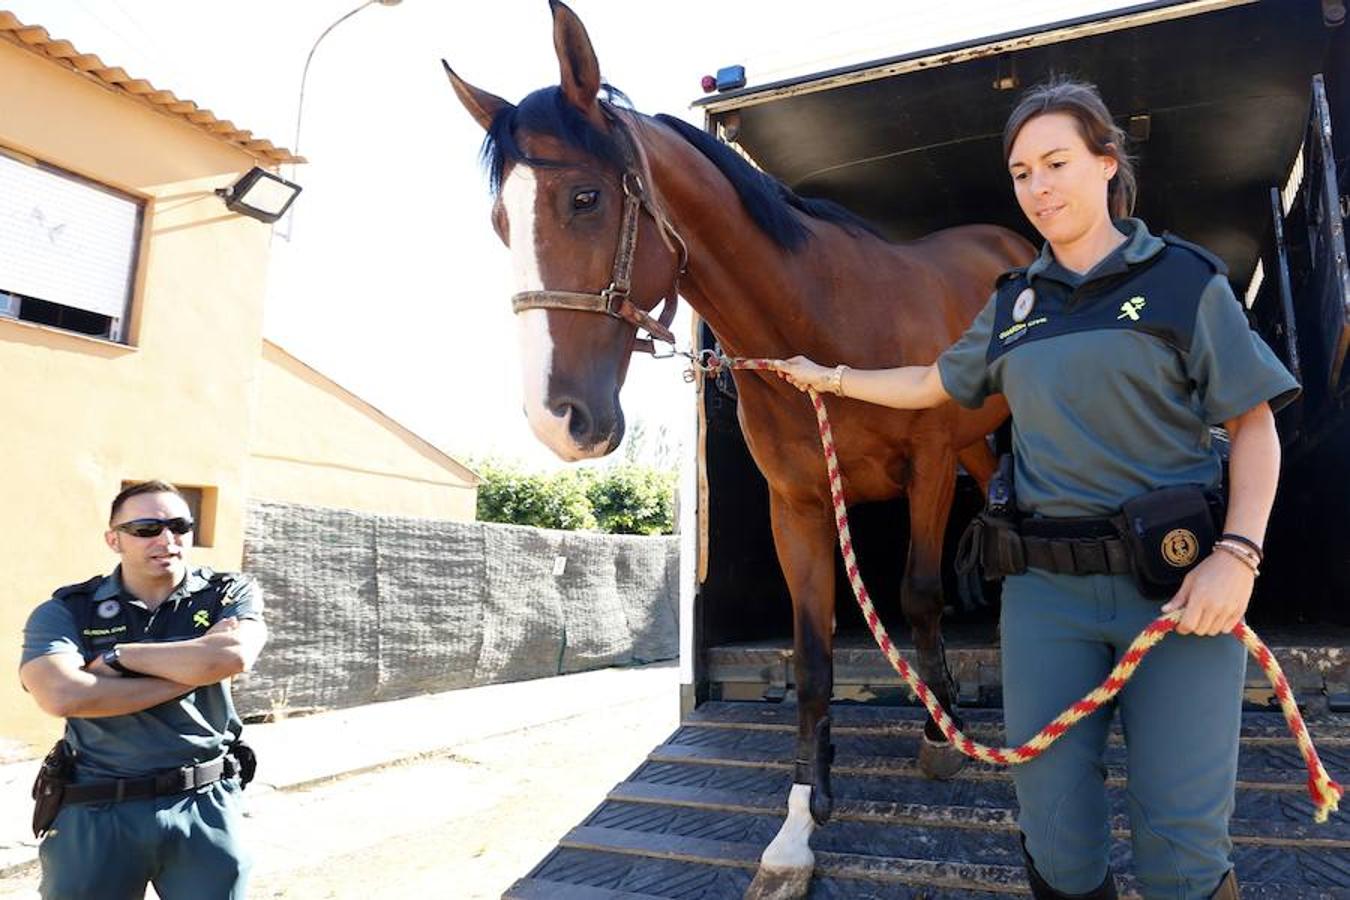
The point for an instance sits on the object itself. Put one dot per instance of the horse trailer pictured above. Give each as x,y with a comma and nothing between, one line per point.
1238,112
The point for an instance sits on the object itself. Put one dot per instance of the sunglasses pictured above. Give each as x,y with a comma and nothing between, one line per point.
148,528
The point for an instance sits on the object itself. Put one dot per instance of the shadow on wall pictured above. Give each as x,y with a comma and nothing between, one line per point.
363,607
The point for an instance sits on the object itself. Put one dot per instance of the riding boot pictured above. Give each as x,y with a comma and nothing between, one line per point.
1041,889
1228,888
815,771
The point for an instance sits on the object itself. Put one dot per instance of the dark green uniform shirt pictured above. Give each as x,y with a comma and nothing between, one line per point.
194,728
1115,376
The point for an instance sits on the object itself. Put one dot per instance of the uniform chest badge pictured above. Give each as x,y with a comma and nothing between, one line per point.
109,609
201,618
1022,306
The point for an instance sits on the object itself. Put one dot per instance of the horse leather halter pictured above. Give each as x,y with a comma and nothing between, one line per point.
615,301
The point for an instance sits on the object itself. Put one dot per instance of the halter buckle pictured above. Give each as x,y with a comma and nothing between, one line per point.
615,297
632,184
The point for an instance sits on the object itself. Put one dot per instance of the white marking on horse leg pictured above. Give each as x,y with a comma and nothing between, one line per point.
791,847
519,196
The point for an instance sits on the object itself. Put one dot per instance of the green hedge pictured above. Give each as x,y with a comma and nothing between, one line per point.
622,499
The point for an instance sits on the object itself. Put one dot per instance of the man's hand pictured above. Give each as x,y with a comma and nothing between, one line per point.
97,666
1214,596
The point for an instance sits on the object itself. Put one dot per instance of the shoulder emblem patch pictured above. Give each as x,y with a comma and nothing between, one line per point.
201,618
1130,309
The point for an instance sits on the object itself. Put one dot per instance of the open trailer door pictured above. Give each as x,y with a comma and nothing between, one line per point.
1325,209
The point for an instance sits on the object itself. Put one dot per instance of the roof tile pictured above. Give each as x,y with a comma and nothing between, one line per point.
35,39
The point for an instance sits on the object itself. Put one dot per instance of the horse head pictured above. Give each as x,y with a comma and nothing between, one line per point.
591,249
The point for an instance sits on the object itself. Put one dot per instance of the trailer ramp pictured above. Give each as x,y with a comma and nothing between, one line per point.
691,822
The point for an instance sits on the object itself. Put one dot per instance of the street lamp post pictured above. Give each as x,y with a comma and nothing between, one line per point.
304,76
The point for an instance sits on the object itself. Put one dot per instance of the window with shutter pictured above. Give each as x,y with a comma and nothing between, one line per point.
68,249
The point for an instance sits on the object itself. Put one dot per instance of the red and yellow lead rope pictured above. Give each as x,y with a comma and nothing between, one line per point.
1326,793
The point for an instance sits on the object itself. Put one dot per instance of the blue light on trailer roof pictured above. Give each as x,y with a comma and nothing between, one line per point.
730,77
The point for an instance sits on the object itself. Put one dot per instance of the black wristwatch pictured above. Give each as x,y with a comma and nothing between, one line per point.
113,660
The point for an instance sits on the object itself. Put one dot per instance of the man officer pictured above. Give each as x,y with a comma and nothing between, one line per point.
144,787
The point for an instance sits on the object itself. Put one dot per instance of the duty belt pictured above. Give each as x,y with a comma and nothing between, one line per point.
1072,546
1067,546
172,781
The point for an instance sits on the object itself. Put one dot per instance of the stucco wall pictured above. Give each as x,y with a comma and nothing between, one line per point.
316,444
81,415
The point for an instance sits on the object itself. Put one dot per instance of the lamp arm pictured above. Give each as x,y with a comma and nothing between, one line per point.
304,75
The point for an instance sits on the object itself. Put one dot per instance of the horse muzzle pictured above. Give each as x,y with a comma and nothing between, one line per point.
574,430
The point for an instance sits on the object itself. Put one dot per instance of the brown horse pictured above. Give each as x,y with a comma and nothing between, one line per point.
773,275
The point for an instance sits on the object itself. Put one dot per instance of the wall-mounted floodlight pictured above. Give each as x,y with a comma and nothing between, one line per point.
260,195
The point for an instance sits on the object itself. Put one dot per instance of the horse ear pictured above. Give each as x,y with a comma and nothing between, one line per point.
580,69
480,104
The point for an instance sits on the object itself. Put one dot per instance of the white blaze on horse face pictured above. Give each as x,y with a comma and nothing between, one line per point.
791,847
519,197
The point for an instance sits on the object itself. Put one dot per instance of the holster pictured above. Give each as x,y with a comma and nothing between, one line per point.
245,760
991,543
992,546
49,788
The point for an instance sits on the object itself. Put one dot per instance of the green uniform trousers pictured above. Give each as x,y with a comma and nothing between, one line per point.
1181,715
185,844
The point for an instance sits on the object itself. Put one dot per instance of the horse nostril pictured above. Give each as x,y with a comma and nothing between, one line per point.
579,421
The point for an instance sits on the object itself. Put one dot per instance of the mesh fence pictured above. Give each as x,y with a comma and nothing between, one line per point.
365,607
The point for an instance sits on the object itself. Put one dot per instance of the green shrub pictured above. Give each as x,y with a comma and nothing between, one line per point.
512,496
632,499
623,499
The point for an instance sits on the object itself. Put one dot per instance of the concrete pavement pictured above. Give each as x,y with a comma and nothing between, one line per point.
299,752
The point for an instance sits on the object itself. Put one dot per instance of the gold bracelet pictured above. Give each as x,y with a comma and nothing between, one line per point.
1232,550
837,383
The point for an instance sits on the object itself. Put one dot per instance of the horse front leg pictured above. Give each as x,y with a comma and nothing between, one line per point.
930,500
804,538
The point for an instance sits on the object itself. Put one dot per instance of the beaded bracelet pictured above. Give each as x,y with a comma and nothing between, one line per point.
1236,550
1247,542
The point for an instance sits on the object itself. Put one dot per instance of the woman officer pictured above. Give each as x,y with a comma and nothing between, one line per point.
1116,349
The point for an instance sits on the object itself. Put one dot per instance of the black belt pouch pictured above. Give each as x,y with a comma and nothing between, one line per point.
49,788
1167,532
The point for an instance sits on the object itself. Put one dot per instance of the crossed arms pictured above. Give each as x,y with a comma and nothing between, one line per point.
65,688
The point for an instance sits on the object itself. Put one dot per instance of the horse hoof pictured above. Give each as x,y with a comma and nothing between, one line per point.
939,759
778,883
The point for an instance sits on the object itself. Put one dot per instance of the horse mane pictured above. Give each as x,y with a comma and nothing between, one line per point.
769,203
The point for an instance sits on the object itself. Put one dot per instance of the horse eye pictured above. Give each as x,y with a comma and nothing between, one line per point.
583,201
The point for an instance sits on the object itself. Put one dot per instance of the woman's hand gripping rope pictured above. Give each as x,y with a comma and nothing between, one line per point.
1326,793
